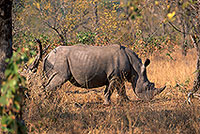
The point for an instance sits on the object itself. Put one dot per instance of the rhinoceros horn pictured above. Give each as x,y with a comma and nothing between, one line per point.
149,94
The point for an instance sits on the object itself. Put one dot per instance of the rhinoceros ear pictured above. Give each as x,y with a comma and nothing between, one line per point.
147,62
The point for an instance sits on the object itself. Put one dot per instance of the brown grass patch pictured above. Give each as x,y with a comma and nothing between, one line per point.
164,70
75,110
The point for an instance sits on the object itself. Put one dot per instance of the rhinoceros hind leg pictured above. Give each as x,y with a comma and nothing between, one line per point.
54,81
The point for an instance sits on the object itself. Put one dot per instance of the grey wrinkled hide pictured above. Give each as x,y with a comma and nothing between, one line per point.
96,66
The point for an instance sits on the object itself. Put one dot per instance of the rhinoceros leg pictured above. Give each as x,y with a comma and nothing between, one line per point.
54,81
122,91
120,86
106,89
108,92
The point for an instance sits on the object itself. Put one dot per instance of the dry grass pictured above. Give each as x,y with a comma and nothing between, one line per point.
75,110
164,70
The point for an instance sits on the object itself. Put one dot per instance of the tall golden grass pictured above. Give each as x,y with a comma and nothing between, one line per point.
73,110
164,70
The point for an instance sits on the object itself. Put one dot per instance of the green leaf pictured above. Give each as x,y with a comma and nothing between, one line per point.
3,100
15,68
10,92
7,72
133,17
4,88
167,54
16,106
6,121
31,43
13,82
7,60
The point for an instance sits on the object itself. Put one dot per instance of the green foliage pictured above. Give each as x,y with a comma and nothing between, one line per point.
148,45
86,37
11,94
27,44
62,20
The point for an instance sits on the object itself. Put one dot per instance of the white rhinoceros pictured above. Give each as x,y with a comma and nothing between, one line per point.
95,66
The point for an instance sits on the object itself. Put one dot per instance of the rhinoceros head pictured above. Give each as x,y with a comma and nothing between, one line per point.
144,88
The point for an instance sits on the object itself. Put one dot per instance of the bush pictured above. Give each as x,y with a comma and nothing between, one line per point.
86,37
11,95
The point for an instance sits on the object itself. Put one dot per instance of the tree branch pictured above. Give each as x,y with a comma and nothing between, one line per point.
177,29
56,30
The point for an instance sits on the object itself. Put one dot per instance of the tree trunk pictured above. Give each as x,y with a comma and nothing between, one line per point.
183,46
196,85
196,41
96,15
5,34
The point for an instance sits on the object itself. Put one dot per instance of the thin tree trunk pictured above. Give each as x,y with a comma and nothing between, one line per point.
96,23
196,41
96,15
164,29
183,46
196,85
5,34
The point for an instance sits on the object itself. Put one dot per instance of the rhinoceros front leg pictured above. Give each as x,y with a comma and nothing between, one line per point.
120,86
122,91
108,92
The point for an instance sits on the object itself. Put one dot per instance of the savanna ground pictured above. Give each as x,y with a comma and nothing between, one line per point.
74,110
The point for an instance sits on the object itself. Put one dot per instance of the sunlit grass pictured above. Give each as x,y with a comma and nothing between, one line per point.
164,70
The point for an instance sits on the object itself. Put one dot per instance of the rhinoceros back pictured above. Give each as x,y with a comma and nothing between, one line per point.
89,65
